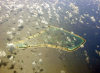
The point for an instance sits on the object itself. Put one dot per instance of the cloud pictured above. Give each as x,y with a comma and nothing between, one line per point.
74,8
92,18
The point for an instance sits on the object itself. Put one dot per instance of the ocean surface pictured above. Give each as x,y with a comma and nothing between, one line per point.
20,19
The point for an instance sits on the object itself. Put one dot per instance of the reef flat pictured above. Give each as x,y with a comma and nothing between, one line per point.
53,37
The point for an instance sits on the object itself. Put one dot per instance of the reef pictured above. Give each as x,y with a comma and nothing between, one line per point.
53,37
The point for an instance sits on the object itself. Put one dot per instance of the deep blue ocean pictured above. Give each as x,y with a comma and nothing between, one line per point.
93,33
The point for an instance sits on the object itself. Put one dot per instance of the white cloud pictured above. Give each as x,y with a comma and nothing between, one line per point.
74,8
2,53
92,18
97,52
